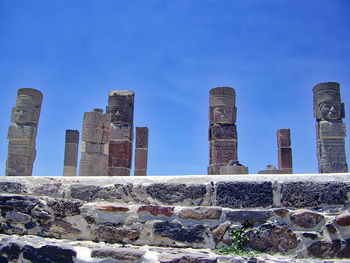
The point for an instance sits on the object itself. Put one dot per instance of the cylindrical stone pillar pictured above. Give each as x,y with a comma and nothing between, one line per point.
22,133
71,153
95,144
121,108
141,151
330,128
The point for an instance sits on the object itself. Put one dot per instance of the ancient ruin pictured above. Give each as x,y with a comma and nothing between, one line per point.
223,133
284,145
71,153
141,151
95,143
22,133
121,108
330,128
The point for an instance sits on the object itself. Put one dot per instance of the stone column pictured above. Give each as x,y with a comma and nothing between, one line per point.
121,108
141,151
71,153
22,133
223,133
95,144
330,129
284,151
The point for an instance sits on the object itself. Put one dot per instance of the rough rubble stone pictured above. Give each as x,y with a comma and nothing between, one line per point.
48,254
345,251
125,254
201,213
306,219
22,204
244,194
60,227
331,228
218,233
310,235
17,217
116,234
111,208
186,259
92,192
273,238
324,249
343,219
311,194
175,231
244,215
157,210
10,187
12,251
63,208
48,189
174,193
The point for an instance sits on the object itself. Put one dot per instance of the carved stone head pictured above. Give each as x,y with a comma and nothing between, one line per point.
327,102
121,106
28,106
222,105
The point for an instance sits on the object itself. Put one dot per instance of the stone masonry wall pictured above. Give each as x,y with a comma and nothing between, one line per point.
303,215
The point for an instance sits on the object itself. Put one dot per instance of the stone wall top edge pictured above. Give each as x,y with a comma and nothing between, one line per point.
190,179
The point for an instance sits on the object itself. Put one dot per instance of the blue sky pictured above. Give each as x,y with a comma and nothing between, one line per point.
171,53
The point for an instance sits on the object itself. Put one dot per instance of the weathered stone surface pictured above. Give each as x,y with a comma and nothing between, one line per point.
222,131
281,212
121,106
48,189
95,164
11,250
222,152
183,258
244,215
116,234
283,138
345,251
175,231
141,158
173,193
96,127
10,187
324,249
92,192
60,227
310,235
22,204
343,219
218,233
285,158
48,254
233,169
140,172
306,219
120,154
330,129
125,254
71,153
141,137
111,208
201,213
331,228
244,194
273,238
157,210
63,208
118,171
309,194
17,217
121,131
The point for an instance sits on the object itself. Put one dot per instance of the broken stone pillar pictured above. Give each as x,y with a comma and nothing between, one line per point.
330,129
141,151
71,153
284,151
121,108
95,144
22,133
223,133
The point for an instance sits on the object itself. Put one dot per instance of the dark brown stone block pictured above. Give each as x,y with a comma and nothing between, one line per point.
71,154
120,154
222,152
141,137
222,131
285,158
121,106
283,138
306,219
140,158
118,171
72,136
157,210
140,172
121,131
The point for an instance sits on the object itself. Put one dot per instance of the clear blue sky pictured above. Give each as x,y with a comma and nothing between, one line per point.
272,52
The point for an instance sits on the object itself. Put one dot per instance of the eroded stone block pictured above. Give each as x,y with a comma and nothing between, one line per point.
120,154
141,137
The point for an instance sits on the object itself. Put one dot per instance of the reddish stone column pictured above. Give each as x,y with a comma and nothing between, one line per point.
71,153
284,151
141,151
94,144
121,108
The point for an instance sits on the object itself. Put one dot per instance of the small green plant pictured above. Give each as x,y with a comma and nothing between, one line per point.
239,241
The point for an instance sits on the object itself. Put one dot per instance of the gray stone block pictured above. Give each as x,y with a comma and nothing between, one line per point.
244,194
244,215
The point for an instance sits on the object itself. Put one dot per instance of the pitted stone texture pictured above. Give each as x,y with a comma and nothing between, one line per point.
285,158
283,138
201,213
122,254
121,131
92,192
141,158
306,219
244,215
273,238
96,127
244,194
141,137
222,152
175,231
116,234
111,208
324,249
121,106
11,187
332,156
48,189
48,254
59,227
343,219
120,154
93,164
218,233
174,193
222,131
17,217
233,169
23,204
157,210
62,208
310,194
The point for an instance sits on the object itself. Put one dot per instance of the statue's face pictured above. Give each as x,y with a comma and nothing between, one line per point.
23,114
223,114
330,110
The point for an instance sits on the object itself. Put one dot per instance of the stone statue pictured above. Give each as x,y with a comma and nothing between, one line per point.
330,128
95,144
121,108
223,133
22,133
